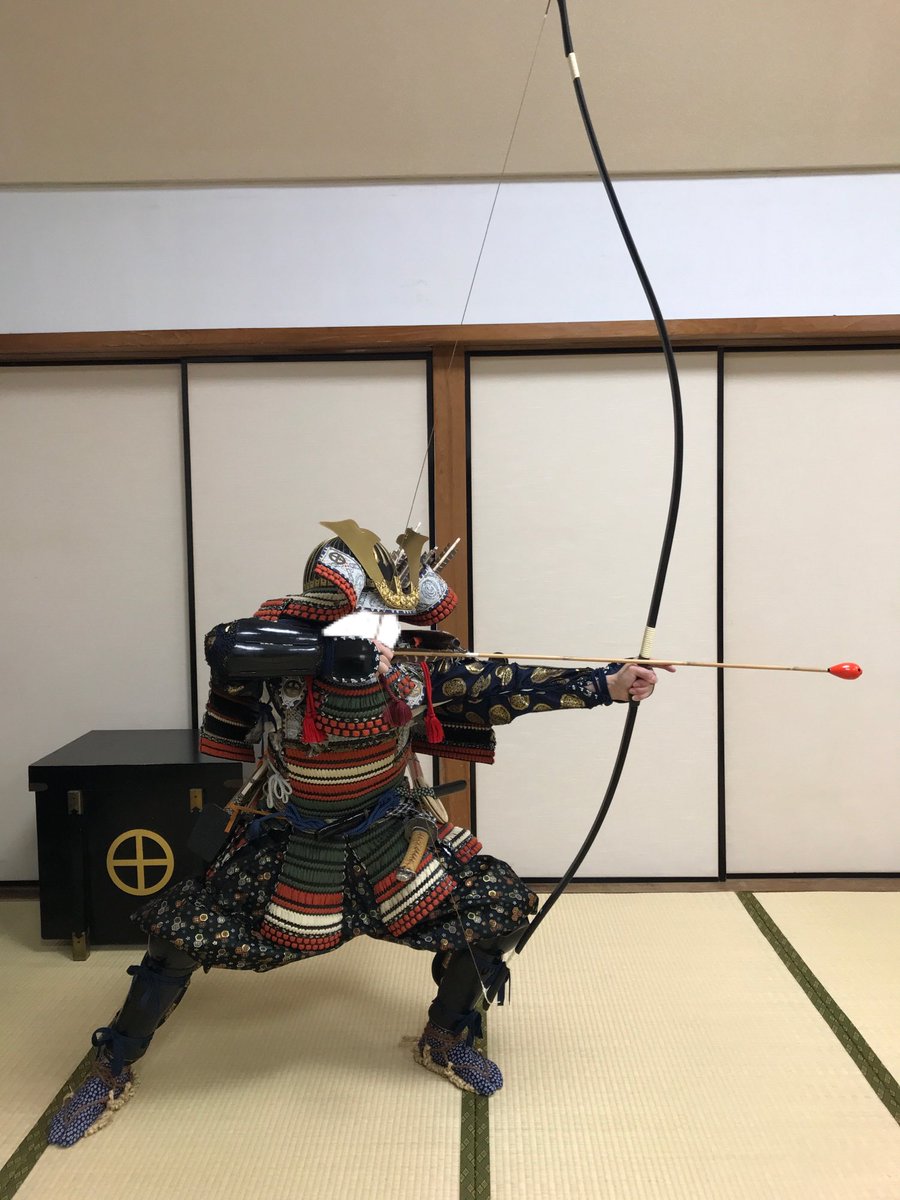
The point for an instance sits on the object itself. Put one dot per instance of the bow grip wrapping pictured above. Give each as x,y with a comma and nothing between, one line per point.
252,648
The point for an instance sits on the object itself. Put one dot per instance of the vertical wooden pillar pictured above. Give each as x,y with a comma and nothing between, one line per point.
451,519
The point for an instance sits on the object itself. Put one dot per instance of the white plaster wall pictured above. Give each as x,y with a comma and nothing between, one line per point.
570,484
301,432
86,259
200,257
93,606
812,577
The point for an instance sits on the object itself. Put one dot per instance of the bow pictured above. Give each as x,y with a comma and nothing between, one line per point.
675,492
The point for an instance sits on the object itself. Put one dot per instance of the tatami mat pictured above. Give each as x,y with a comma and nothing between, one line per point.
48,1007
656,1047
287,1085
851,943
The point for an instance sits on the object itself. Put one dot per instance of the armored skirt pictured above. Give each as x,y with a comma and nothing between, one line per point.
280,891
223,918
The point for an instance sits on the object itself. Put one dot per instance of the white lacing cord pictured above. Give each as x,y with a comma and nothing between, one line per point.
278,791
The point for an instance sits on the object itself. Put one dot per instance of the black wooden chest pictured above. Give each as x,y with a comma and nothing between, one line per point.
114,811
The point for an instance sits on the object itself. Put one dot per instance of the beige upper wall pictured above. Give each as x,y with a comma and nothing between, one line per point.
106,91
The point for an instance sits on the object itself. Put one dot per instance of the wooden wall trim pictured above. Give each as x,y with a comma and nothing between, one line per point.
451,484
451,517
156,344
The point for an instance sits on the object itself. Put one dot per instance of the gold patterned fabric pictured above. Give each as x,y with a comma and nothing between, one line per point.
479,694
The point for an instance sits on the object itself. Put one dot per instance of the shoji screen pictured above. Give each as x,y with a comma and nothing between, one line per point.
812,513
571,460
93,605
278,447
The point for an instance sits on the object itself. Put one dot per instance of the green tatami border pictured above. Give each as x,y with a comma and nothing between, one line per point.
21,1162
475,1138
873,1070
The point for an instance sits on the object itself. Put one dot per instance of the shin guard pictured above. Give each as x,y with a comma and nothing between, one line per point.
157,985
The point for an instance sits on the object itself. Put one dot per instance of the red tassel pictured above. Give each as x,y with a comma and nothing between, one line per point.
398,711
310,728
434,730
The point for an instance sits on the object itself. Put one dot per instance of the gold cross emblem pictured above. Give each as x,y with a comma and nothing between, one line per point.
140,861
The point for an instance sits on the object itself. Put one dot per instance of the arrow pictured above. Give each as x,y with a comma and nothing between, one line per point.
844,670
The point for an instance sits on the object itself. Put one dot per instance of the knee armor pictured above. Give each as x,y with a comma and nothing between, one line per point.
465,975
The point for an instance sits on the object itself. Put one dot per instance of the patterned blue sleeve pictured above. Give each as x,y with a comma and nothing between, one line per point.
498,692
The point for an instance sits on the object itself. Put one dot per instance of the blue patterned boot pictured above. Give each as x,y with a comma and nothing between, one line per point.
157,985
108,1086
451,1054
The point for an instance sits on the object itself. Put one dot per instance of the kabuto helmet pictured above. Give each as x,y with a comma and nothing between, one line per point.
354,570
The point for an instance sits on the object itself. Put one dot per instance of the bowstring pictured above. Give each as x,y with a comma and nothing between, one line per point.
485,998
487,229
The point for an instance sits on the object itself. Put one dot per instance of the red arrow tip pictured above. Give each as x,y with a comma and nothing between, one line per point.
846,670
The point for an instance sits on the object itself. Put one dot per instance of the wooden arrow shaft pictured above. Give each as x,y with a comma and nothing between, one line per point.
645,662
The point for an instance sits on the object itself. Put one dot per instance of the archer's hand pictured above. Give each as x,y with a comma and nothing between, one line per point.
633,682
385,654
